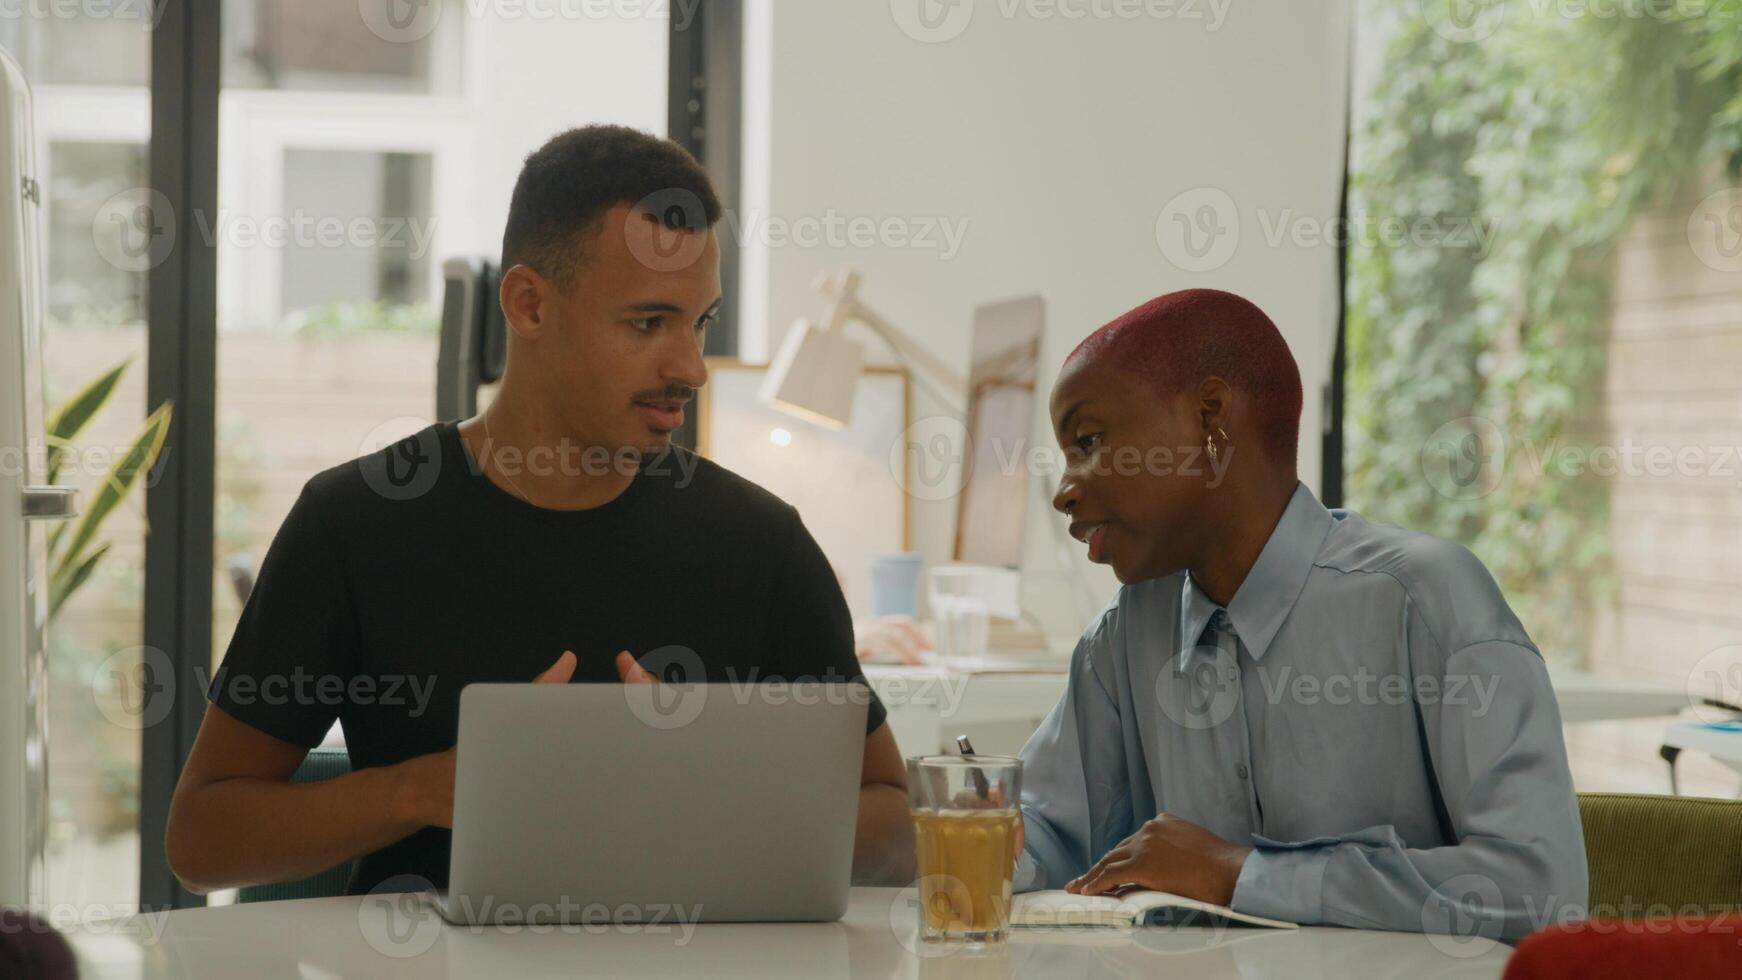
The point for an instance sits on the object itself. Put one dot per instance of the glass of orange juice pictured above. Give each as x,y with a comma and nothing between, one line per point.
965,821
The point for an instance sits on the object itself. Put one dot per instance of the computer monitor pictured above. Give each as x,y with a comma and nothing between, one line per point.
474,340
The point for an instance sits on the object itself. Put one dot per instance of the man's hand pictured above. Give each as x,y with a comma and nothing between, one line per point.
427,781
559,672
631,672
1169,854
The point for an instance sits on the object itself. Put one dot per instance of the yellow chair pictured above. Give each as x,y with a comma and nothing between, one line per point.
1662,855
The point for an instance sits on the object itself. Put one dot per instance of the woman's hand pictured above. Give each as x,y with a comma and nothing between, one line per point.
1169,854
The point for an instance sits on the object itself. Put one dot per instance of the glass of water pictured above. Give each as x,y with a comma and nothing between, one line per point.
961,616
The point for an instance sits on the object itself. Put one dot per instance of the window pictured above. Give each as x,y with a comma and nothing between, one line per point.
350,166
366,216
81,44
341,45
87,75
1544,336
92,222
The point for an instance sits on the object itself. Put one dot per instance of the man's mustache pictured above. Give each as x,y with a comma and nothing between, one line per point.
676,393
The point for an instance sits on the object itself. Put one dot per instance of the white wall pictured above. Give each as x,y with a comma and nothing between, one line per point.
521,79
535,78
1059,142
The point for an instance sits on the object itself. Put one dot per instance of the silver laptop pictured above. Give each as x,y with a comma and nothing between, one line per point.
596,803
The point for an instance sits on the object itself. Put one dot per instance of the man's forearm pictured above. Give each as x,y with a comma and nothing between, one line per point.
883,843
245,831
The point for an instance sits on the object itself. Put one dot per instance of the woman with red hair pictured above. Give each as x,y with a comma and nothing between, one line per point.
1286,709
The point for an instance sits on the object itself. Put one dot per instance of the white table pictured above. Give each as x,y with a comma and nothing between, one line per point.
930,705
1724,746
400,936
1584,696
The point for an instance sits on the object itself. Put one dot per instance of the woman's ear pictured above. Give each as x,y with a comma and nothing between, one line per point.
1214,404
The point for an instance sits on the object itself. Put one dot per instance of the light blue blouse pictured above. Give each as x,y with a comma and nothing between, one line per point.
1367,714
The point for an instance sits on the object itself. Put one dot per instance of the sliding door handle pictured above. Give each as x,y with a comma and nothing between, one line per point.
50,503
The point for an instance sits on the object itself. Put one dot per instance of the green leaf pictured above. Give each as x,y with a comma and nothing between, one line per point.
65,422
63,583
116,484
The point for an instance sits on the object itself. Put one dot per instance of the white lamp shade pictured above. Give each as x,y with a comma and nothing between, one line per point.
814,374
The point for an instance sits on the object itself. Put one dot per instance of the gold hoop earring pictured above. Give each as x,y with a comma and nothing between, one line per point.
1210,444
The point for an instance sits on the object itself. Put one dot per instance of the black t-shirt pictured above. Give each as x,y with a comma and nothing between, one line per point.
401,577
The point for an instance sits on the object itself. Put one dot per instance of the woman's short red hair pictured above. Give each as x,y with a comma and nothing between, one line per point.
1177,340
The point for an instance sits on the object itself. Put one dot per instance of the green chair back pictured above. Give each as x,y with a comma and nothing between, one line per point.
1657,855
320,764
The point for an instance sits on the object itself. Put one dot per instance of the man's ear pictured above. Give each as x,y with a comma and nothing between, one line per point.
525,297
1214,404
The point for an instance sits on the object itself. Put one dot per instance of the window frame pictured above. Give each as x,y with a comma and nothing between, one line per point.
705,115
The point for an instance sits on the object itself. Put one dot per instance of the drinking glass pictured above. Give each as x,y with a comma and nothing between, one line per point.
965,819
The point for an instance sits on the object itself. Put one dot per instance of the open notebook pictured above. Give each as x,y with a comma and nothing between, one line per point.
1062,909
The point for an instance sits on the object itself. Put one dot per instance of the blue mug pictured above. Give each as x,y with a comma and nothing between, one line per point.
895,584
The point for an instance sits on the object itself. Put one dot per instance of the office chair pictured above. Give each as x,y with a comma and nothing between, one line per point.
1673,853
320,764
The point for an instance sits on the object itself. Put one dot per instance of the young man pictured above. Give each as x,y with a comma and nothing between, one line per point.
1285,709
557,536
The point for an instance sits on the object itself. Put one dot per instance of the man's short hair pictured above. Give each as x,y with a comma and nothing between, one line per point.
1177,340
567,185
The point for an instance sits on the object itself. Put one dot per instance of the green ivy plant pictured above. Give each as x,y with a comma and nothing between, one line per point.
1551,135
